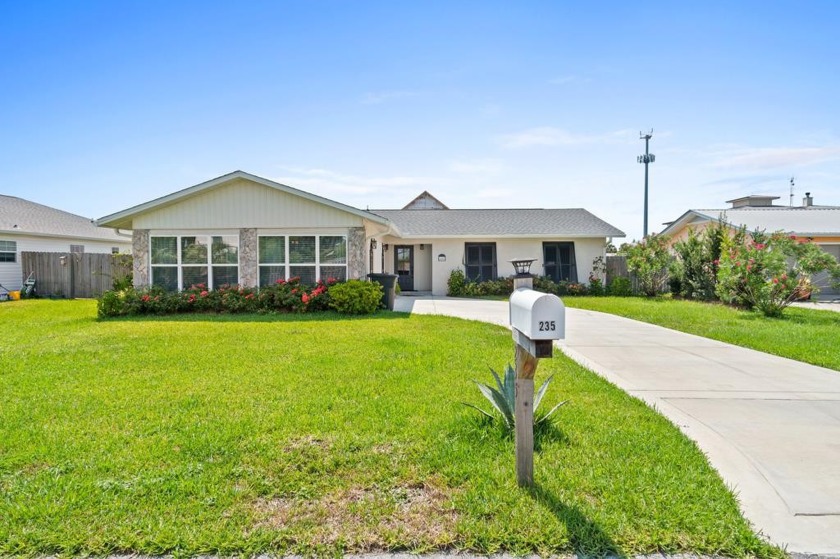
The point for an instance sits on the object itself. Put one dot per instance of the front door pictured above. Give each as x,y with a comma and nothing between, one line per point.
404,266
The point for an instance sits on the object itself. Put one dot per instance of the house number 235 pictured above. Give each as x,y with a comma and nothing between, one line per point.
548,326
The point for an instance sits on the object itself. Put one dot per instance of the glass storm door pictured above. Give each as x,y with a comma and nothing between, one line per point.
404,266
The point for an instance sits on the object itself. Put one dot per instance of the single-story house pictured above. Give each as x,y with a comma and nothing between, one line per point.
820,224
30,227
243,229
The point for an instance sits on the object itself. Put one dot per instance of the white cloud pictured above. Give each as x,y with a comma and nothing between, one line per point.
770,158
329,183
477,167
378,97
569,79
550,136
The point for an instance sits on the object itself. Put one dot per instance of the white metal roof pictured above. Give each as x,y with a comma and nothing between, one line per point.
805,221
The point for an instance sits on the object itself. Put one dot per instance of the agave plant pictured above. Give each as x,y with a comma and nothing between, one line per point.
504,395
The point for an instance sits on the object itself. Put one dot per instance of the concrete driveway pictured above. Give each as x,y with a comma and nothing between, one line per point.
769,425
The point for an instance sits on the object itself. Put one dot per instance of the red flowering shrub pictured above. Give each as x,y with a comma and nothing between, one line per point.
769,272
284,296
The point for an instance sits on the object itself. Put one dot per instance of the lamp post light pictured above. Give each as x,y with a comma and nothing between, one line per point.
523,277
647,158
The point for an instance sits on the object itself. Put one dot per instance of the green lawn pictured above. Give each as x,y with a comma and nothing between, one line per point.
806,335
319,434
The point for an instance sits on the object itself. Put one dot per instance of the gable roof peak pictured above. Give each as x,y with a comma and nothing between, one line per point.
425,201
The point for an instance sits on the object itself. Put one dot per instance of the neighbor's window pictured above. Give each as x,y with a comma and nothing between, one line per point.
310,257
8,251
77,249
559,261
115,250
480,261
179,262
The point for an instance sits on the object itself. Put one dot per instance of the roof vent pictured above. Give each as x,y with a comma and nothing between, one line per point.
807,202
753,201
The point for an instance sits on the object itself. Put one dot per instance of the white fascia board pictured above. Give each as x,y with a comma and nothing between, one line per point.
684,220
518,236
120,219
61,236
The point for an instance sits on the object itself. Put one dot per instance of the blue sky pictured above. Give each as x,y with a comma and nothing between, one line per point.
484,104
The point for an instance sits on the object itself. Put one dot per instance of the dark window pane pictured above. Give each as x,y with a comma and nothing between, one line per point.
272,250
334,272
193,275
7,256
333,250
559,261
164,250
194,250
270,274
225,275
305,273
301,250
225,250
165,277
481,261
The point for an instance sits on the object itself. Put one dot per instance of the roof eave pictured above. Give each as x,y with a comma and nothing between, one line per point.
17,232
618,234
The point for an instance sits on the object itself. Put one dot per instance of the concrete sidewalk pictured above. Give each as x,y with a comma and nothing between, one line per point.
769,425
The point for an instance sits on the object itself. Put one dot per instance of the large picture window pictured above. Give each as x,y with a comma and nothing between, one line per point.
179,262
309,257
8,251
480,261
559,261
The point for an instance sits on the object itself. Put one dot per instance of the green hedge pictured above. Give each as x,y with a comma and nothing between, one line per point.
459,286
283,296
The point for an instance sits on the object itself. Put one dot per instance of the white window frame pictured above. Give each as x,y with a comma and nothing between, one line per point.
287,265
180,262
13,251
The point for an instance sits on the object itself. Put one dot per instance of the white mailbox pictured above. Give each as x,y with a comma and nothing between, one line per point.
535,317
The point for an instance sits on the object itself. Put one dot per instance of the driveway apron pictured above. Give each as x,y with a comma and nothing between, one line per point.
769,425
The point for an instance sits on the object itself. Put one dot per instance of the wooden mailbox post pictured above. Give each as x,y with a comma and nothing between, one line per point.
536,319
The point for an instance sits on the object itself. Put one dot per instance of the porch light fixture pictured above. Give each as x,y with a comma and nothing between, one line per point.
522,266
385,246
373,243
441,257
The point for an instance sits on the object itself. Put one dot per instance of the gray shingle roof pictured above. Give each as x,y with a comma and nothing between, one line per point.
23,217
803,221
499,222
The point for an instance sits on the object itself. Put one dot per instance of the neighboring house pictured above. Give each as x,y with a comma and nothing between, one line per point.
820,224
247,230
29,227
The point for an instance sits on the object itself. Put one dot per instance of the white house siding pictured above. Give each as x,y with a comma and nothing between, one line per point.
242,203
11,273
586,250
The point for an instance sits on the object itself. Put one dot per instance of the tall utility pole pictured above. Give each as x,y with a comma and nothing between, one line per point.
646,159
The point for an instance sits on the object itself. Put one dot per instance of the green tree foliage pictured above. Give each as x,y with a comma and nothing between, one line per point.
768,272
649,260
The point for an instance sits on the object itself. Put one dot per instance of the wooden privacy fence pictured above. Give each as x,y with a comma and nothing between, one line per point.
72,275
617,268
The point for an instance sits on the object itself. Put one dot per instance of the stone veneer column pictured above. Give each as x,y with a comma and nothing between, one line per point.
140,256
248,258
356,253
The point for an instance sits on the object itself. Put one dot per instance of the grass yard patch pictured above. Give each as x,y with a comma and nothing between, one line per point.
806,335
317,434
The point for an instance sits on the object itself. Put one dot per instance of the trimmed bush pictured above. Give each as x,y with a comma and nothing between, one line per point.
460,287
356,297
283,296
